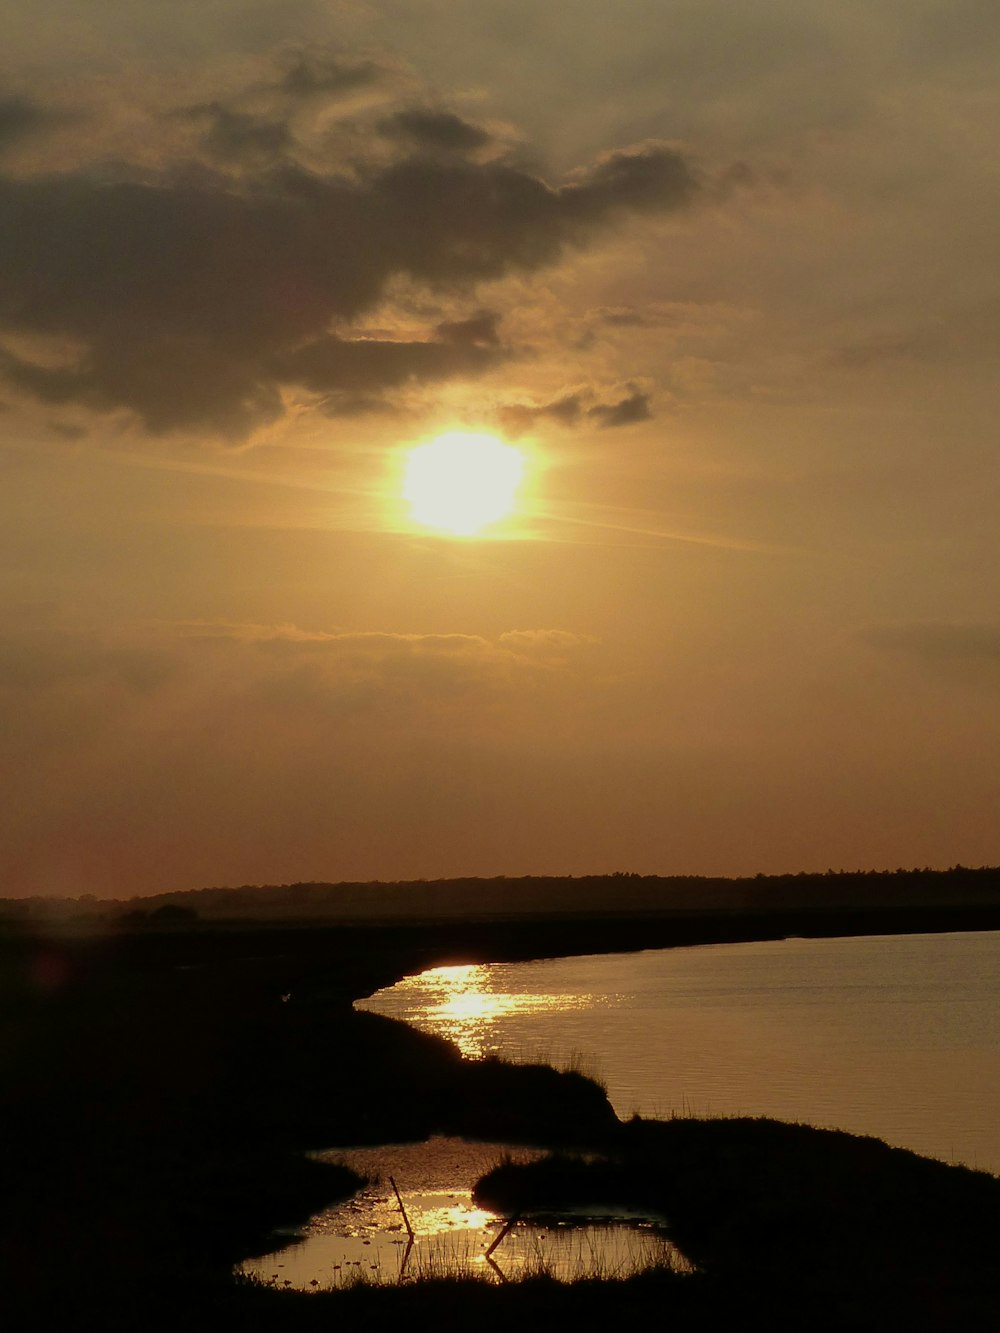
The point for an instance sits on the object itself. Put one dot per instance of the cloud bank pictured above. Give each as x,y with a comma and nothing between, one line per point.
198,287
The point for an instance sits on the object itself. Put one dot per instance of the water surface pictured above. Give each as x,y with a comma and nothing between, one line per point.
365,1239
896,1036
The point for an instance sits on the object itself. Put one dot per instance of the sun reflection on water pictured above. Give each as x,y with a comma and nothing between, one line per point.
363,1238
458,1002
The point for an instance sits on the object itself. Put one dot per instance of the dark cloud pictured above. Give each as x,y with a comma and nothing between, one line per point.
435,129
917,345
626,412
67,431
311,75
516,418
171,381
479,330
239,136
362,367
623,317
569,408
190,296
347,403
19,118
692,318
648,177
565,409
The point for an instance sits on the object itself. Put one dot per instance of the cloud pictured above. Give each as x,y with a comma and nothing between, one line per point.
191,294
624,317
367,641
360,369
626,412
645,178
287,639
924,344
570,407
55,661
298,740
963,656
310,75
516,418
441,130
480,330
273,117
248,632
19,118
554,645
676,317
939,641
62,691
375,669
239,136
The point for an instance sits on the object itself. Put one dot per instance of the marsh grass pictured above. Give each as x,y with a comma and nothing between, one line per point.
570,1253
558,1249
566,1060
587,1065
582,1259
166,1101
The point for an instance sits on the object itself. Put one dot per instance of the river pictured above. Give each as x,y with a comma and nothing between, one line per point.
895,1036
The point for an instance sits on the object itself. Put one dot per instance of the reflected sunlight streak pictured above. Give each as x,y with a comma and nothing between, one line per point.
460,1006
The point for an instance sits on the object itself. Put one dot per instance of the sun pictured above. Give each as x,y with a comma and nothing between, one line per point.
462,482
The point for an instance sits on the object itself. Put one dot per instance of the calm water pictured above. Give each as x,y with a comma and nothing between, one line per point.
365,1238
896,1036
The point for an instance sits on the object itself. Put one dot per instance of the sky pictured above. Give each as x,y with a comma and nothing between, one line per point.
725,276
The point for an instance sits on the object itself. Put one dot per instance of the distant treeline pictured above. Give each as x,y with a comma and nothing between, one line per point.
621,893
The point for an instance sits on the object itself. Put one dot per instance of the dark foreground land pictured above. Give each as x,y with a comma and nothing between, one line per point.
162,1085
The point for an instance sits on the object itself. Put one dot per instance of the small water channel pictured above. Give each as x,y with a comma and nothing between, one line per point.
365,1238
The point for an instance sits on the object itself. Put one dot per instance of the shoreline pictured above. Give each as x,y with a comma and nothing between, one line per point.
198,1066
345,961
438,945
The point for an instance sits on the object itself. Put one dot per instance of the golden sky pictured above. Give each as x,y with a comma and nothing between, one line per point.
725,276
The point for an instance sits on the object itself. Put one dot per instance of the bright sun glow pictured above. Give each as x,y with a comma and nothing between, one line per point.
461,482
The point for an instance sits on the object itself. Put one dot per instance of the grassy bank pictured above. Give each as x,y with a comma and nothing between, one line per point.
157,1117
844,1222
161,1091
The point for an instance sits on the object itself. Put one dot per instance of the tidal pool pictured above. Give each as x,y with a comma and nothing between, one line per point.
366,1239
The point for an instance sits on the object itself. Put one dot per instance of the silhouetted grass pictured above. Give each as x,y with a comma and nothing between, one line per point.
158,1112
844,1221
536,1302
160,1095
